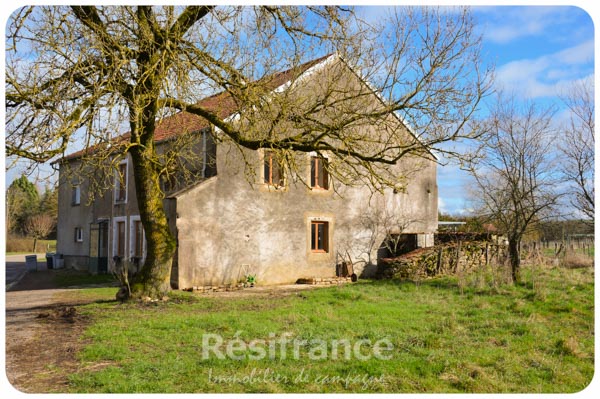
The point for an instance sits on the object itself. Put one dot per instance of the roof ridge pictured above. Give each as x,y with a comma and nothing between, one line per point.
165,129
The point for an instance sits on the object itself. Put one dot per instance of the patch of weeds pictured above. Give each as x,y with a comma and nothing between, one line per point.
182,297
568,346
345,294
445,325
411,342
517,329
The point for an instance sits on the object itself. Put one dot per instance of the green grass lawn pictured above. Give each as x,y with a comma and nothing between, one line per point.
70,278
447,336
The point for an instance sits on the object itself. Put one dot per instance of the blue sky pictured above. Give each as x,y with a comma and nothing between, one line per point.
538,51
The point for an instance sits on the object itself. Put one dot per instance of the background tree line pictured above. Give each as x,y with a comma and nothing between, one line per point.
29,213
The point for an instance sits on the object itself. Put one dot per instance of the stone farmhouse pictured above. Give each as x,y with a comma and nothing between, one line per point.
230,224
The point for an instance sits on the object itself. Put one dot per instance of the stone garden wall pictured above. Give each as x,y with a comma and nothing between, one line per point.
444,259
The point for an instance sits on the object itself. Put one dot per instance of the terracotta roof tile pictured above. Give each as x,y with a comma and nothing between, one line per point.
221,103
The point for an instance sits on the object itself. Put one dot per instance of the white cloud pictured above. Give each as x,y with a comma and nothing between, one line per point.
518,24
547,76
503,25
580,54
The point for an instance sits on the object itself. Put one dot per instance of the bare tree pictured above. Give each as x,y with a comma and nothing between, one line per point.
386,227
39,226
78,73
578,146
516,179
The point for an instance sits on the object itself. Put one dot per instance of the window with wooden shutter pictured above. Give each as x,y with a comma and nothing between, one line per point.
319,178
121,183
319,232
273,170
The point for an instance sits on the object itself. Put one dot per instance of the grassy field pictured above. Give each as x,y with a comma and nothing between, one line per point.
551,252
24,245
447,336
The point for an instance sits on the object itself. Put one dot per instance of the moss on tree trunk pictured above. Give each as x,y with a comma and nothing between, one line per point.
153,280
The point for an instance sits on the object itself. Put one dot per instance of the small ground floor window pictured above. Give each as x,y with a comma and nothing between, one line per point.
78,234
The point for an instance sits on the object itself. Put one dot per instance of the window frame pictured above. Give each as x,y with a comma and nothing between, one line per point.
269,160
78,234
115,238
121,182
315,234
76,194
133,244
319,162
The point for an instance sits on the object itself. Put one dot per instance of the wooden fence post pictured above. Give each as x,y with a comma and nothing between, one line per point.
487,254
457,256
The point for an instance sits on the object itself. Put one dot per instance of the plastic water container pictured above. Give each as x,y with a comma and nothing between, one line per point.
59,261
50,260
31,263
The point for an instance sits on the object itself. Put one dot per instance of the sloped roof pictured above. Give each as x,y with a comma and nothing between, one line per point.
221,103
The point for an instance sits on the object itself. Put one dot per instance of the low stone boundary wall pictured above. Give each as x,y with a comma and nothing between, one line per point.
443,259
324,281
214,288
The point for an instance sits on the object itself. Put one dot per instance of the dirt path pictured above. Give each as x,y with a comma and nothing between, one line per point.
44,330
42,335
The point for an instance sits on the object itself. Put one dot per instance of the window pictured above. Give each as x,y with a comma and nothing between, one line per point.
319,236
137,239
78,234
120,239
273,171
121,183
319,178
76,194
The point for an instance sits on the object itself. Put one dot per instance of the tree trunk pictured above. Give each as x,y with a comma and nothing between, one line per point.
154,278
515,259
34,245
